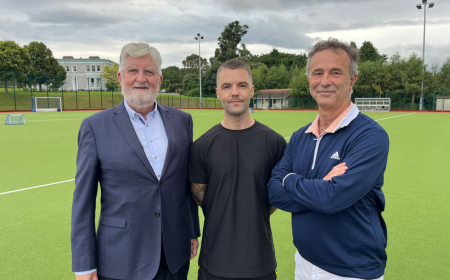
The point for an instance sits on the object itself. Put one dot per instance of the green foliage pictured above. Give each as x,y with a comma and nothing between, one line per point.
299,83
372,77
209,80
259,77
190,64
45,68
172,76
13,58
229,41
276,58
110,74
368,52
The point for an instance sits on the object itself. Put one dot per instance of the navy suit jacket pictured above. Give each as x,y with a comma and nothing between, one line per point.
138,212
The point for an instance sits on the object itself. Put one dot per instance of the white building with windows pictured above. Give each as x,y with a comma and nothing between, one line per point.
272,99
84,73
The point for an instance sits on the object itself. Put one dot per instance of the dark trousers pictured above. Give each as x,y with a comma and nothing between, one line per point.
164,272
203,274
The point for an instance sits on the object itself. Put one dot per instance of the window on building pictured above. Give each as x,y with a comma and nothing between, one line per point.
93,68
98,68
88,68
67,69
92,83
98,82
74,68
274,101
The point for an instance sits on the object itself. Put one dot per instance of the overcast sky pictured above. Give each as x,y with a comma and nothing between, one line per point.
83,28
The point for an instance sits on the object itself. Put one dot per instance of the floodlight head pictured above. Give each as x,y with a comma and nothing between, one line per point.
419,6
198,34
424,1
196,38
431,5
202,37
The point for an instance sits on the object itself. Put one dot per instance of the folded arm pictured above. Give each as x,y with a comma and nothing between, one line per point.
366,163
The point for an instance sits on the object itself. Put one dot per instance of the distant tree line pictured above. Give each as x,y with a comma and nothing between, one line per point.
33,62
378,73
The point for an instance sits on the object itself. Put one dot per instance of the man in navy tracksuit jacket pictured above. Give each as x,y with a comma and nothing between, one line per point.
336,215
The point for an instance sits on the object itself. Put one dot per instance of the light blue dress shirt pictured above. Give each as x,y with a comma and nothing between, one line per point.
153,137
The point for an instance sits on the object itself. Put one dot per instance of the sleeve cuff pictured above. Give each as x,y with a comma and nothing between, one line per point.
286,177
85,272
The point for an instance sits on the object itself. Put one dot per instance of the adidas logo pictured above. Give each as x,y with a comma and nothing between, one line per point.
335,156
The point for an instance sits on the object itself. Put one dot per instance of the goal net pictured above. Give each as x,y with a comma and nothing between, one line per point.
15,119
373,104
46,104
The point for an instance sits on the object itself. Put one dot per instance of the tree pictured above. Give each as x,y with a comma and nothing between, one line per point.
110,75
372,77
190,64
259,77
299,83
44,67
13,58
276,58
229,42
172,77
353,45
368,52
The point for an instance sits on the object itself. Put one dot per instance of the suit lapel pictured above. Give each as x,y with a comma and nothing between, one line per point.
168,122
123,122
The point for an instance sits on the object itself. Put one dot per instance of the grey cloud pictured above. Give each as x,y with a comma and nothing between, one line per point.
75,17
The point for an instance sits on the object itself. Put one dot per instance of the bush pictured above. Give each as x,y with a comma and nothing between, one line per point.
193,92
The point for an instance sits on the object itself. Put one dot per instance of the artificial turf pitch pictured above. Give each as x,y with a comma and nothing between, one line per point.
35,223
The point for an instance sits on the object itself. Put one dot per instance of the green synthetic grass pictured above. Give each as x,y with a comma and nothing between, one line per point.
35,231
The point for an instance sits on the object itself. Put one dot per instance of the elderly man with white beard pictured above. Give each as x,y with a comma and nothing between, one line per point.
138,152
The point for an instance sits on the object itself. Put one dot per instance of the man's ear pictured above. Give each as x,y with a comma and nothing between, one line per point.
353,81
119,76
217,93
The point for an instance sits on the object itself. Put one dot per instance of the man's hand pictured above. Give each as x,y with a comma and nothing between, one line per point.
198,191
336,171
90,276
194,247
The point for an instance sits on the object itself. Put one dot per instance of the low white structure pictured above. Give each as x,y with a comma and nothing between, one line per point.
84,73
272,99
443,103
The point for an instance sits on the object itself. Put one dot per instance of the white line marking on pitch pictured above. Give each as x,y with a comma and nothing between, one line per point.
38,186
394,117
54,120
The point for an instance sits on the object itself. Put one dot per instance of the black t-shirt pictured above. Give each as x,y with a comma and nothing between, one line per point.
236,165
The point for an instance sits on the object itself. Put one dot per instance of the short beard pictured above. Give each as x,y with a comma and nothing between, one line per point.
140,100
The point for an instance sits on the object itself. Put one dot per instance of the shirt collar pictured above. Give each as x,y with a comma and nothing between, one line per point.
343,120
133,115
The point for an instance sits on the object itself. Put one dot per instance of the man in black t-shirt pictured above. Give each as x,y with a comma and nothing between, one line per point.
229,168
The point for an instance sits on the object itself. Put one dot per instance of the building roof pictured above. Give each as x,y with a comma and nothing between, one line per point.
274,93
447,96
83,60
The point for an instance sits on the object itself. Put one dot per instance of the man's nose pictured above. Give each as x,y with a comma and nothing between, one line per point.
325,81
234,91
141,77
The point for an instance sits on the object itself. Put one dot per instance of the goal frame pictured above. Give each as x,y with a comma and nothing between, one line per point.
382,104
21,119
34,104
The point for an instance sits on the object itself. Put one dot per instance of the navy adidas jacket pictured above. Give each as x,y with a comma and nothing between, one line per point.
337,224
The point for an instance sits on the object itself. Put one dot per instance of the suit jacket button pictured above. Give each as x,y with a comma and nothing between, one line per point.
157,214
159,184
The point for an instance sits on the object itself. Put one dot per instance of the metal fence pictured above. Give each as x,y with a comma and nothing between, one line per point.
78,92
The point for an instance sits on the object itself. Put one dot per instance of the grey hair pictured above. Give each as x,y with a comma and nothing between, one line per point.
334,44
138,50
235,64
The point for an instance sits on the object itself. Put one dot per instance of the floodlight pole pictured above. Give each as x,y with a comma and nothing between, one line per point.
199,37
419,6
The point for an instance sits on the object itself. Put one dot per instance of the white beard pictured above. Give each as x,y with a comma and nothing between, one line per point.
140,99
